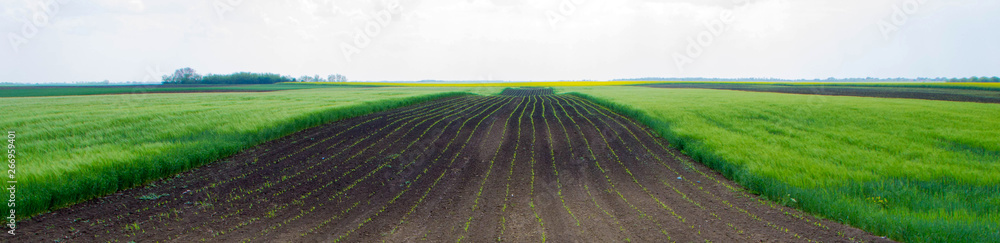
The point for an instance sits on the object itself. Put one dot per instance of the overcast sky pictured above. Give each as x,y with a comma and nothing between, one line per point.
139,40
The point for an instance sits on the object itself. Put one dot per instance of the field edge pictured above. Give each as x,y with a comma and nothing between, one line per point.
820,203
38,201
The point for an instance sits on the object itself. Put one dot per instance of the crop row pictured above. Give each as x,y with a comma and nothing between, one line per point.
552,158
683,196
334,157
531,192
403,116
380,167
433,163
401,169
689,180
489,171
443,131
205,193
573,155
510,172
335,181
612,187
692,183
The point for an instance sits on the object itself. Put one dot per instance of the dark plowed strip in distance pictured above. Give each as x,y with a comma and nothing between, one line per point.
526,91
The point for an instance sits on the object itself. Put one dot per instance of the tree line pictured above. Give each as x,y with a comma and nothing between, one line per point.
190,76
974,79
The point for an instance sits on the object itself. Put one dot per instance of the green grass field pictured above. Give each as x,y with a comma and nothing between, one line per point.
37,91
73,148
915,170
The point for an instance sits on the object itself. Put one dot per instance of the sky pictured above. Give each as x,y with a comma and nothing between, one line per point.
528,40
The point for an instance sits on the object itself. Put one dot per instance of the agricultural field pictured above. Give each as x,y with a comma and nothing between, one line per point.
75,148
968,92
622,161
523,166
915,170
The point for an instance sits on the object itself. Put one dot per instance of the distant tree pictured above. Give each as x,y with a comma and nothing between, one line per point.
182,76
995,79
244,78
336,78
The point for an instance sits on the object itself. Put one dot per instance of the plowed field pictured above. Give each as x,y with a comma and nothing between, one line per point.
510,168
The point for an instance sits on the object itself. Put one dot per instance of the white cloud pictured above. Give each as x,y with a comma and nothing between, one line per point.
500,39
132,6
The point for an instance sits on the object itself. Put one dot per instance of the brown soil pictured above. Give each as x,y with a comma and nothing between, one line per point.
526,91
501,168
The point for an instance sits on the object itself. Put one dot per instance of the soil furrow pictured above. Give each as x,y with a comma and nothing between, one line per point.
524,166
